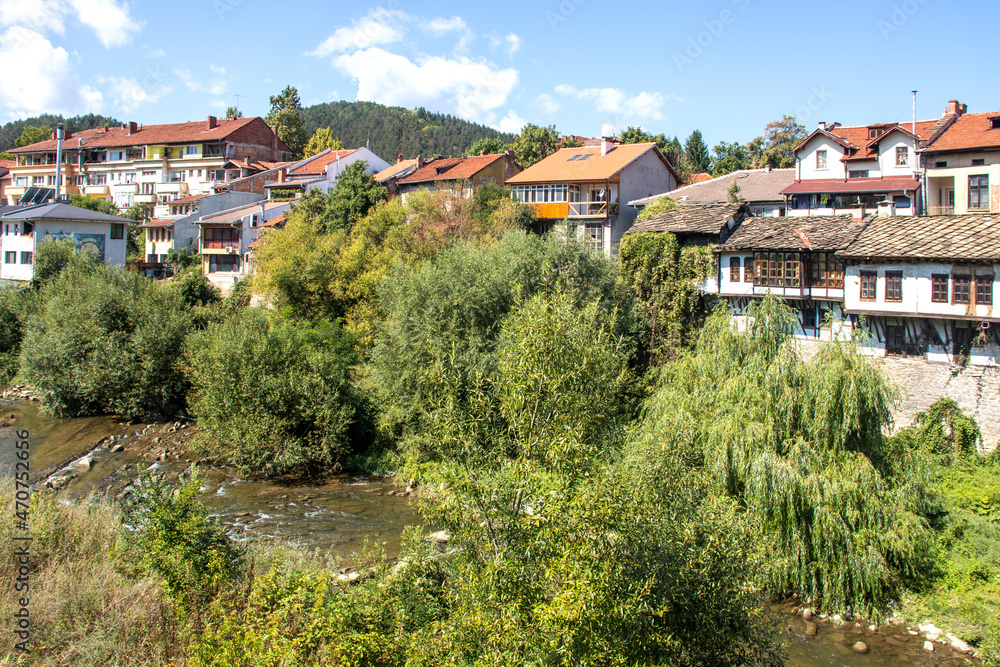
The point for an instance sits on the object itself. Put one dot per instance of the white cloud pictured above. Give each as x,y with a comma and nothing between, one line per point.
513,44
464,86
217,69
158,53
130,94
511,123
44,81
192,82
548,103
109,20
38,15
442,26
616,101
381,26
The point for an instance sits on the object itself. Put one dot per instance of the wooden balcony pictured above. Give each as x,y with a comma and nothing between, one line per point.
561,210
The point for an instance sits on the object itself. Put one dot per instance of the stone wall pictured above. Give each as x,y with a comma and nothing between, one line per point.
976,389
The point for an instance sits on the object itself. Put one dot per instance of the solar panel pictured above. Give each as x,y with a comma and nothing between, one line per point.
575,157
584,157
36,195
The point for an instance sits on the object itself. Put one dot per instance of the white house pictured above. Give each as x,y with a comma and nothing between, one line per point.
225,239
322,170
962,162
927,287
24,228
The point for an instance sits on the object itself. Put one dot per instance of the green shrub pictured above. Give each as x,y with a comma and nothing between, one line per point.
273,395
106,341
195,289
54,255
16,305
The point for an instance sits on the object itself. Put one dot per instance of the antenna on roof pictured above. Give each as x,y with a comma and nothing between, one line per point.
914,112
237,96
368,144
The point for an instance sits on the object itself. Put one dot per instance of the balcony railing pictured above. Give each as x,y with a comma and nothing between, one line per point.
588,209
941,210
215,244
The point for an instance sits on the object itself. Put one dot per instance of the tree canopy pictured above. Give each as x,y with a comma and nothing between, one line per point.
696,154
286,114
534,144
487,146
320,141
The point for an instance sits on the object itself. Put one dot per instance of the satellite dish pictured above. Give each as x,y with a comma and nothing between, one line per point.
607,130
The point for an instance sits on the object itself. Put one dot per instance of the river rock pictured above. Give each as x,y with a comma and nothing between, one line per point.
58,482
860,647
958,644
807,614
898,642
811,629
441,537
117,448
929,646
930,631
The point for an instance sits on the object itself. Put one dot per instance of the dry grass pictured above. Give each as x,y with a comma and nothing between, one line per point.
88,604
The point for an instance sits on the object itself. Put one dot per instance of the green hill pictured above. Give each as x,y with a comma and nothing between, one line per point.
12,130
395,130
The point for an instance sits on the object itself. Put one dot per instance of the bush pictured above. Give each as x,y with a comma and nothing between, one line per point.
273,395
54,255
107,341
16,305
195,289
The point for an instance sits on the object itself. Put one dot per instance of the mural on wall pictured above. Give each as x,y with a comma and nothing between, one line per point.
90,243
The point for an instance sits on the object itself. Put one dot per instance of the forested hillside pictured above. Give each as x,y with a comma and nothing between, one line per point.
12,130
395,130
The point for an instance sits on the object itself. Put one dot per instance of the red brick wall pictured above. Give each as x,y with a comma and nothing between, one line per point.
258,133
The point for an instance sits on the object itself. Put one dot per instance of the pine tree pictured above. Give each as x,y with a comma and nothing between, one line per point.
696,154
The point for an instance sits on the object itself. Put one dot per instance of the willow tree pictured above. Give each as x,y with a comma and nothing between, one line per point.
804,448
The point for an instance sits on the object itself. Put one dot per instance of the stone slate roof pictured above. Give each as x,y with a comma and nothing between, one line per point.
756,185
691,219
931,238
795,233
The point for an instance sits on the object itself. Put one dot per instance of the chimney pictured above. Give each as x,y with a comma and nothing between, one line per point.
955,108
607,145
213,122
59,153
133,127
420,162
282,174
482,153
399,158
859,214
274,142
767,169
822,125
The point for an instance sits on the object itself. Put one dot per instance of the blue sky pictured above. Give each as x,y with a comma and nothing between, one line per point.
726,67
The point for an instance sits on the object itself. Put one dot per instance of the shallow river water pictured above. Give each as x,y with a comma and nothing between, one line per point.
336,515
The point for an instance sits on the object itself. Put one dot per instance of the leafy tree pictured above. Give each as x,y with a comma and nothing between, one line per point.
32,135
195,289
487,146
656,207
944,432
355,194
729,158
106,341
492,200
320,141
780,139
232,113
696,154
804,448
4,155
674,152
52,256
534,144
637,135
17,304
95,204
273,396
286,114
733,193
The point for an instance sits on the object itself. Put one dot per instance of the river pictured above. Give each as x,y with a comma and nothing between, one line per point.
337,514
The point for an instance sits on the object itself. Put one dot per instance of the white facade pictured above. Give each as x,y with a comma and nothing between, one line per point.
17,248
228,259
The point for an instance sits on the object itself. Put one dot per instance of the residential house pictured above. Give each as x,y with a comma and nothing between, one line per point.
391,175
858,170
225,238
962,163
23,228
927,287
180,232
150,164
5,178
462,174
322,170
590,188
793,258
759,188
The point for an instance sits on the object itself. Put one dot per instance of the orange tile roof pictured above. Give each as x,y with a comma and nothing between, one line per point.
566,166
395,169
452,168
317,165
971,130
148,135
275,222
159,222
699,178
186,200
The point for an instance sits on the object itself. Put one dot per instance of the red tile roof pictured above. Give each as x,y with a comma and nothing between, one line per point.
971,130
858,140
186,200
452,168
158,222
699,178
147,135
829,186
394,170
318,164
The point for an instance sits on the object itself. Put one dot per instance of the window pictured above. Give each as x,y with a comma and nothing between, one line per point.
97,179
26,257
593,234
176,176
775,269
21,182
940,165
10,257
748,270
862,173
821,159
38,180
219,263
960,287
117,231
50,180
148,174
939,288
979,192
895,339
734,269
869,280
979,162
902,156
147,188
192,150
984,290
901,201
961,344
893,285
